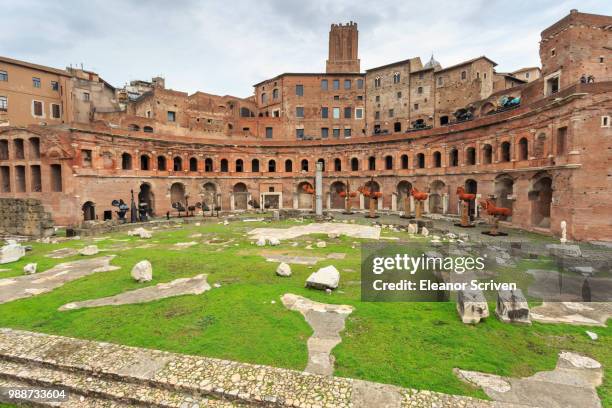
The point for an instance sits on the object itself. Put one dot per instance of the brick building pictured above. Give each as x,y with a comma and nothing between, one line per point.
542,157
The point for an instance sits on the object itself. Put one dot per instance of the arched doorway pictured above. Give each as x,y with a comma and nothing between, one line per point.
504,189
403,189
373,187
209,195
541,199
241,196
471,187
336,199
177,194
89,211
437,189
305,199
145,195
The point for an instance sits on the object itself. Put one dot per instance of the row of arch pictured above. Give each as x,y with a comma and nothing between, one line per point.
18,149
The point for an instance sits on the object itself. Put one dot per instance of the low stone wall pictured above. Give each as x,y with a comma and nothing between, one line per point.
24,217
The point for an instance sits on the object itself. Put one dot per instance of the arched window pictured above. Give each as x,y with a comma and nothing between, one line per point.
144,162
354,164
487,154
470,156
133,127
453,158
161,163
193,164
437,159
208,165
372,163
304,165
239,166
224,166
147,129
505,151
271,166
388,162
420,159
404,161
523,149
323,164
264,98
288,166
337,164
177,164
126,161
255,165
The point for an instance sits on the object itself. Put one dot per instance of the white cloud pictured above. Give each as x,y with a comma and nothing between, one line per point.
226,47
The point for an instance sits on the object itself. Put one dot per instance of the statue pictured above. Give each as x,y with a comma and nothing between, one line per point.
178,206
143,209
373,196
488,205
122,209
465,199
419,198
347,195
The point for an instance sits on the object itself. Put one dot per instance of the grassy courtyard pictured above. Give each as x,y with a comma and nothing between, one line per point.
409,344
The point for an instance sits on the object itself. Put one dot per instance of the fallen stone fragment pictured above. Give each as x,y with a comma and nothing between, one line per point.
413,228
564,250
62,253
261,242
89,250
142,271
356,231
183,245
325,278
592,335
321,244
472,306
512,307
177,287
30,268
424,232
140,232
274,241
11,252
283,269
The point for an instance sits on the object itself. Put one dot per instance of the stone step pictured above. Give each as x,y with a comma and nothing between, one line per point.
91,390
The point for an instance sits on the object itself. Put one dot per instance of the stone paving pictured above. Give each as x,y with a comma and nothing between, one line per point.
31,285
579,313
351,230
327,321
572,383
114,375
178,287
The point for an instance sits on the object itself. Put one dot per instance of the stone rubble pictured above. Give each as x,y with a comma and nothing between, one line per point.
142,271
325,278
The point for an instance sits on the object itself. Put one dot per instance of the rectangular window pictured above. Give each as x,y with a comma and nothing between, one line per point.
391,113
347,132
440,81
336,133
86,96
377,115
399,95
276,113
336,97
416,106
36,82
324,84
87,157
54,85
360,84
377,98
299,133
336,84
324,133
360,97
299,90
299,112
347,84
38,108
358,113
3,103
3,76
55,111
336,113
171,116
347,113
268,133
324,112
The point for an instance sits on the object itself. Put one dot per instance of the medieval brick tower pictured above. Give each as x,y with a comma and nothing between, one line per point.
343,42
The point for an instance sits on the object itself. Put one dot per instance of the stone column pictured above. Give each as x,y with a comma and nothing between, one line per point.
393,201
249,206
328,200
295,201
319,189
361,201
426,205
476,209
411,204
232,204
445,203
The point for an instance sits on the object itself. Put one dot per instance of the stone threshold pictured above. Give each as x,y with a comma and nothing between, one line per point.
99,374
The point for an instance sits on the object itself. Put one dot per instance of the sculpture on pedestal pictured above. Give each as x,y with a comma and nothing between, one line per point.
488,205
465,199
373,196
122,209
347,195
419,197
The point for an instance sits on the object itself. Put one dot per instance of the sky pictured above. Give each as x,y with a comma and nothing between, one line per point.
224,47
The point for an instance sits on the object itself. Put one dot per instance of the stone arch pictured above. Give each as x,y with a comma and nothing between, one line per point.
437,191
541,200
209,195
241,196
336,199
403,190
373,186
354,164
126,161
304,199
89,211
133,127
504,192
145,195
178,194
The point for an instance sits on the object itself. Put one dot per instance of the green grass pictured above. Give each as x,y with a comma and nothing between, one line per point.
409,344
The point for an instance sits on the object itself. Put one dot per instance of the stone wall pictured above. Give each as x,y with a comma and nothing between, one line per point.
24,216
